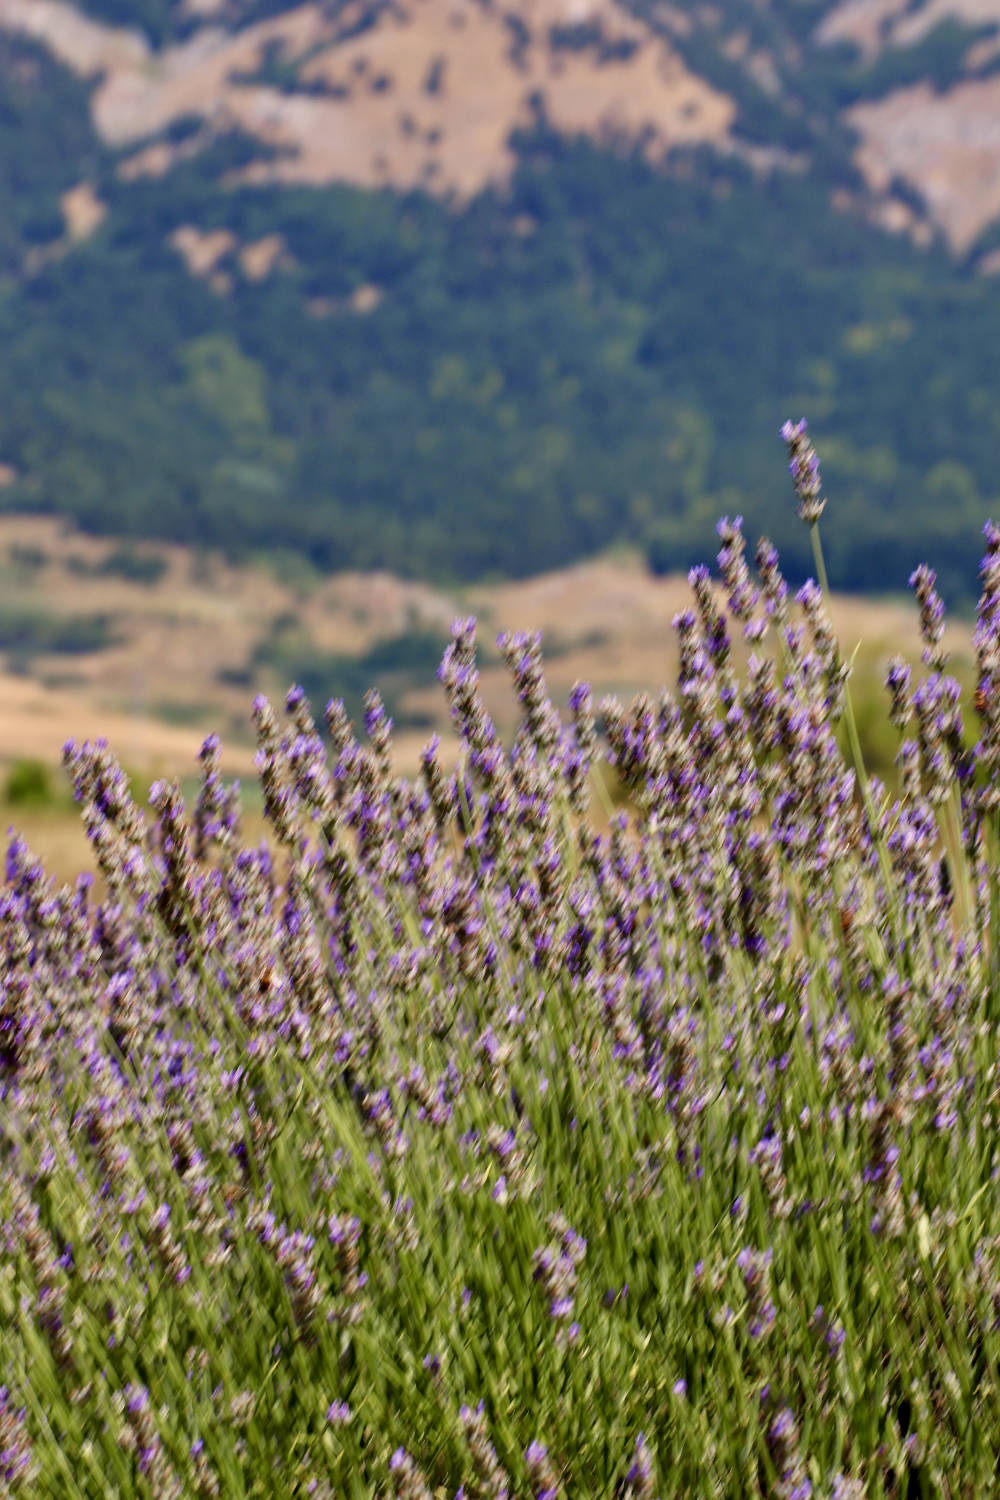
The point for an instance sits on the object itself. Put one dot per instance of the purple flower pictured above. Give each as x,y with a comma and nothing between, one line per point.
408,1481
639,1479
755,1267
541,1475
804,469
17,1462
922,581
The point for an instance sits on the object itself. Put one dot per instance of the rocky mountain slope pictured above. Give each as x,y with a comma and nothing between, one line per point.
427,93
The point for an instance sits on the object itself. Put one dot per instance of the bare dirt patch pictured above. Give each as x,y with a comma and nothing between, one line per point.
428,95
82,210
946,145
265,255
202,250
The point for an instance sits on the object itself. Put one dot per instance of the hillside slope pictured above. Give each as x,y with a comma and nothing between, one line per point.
473,287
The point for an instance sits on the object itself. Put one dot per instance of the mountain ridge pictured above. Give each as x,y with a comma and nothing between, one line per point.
461,288
303,73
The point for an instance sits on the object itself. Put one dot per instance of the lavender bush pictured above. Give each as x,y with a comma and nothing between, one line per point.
476,1154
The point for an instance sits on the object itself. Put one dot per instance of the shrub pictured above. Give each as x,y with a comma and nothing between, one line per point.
393,663
136,567
26,557
29,783
460,1148
29,632
122,562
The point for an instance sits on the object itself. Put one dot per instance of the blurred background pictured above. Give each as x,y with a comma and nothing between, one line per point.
321,323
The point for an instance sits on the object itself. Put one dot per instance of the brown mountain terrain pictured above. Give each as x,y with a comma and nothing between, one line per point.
427,92
428,96
943,144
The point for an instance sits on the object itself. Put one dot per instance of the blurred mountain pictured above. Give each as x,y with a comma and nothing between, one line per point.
472,288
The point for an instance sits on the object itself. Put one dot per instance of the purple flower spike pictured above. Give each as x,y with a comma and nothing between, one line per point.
493,1483
639,1480
541,1475
922,581
17,1462
408,1482
804,469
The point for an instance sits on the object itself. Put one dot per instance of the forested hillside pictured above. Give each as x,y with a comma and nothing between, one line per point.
595,338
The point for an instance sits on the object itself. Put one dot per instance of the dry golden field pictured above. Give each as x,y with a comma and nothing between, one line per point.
156,691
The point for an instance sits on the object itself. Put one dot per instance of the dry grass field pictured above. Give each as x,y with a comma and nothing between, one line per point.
182,655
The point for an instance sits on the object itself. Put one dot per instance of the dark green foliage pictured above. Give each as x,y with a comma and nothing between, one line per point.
171,711
137,567
604,352
938,58
26,558
155,18
46,145
236,676
29,784
166,21
392,665
27,632
124,562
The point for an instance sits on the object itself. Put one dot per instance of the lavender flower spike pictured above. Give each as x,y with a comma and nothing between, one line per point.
922,581
493,1482
639,1479
408,1482
804,469
17,1462
541,1474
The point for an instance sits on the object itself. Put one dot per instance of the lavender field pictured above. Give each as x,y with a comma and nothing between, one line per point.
462,1151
